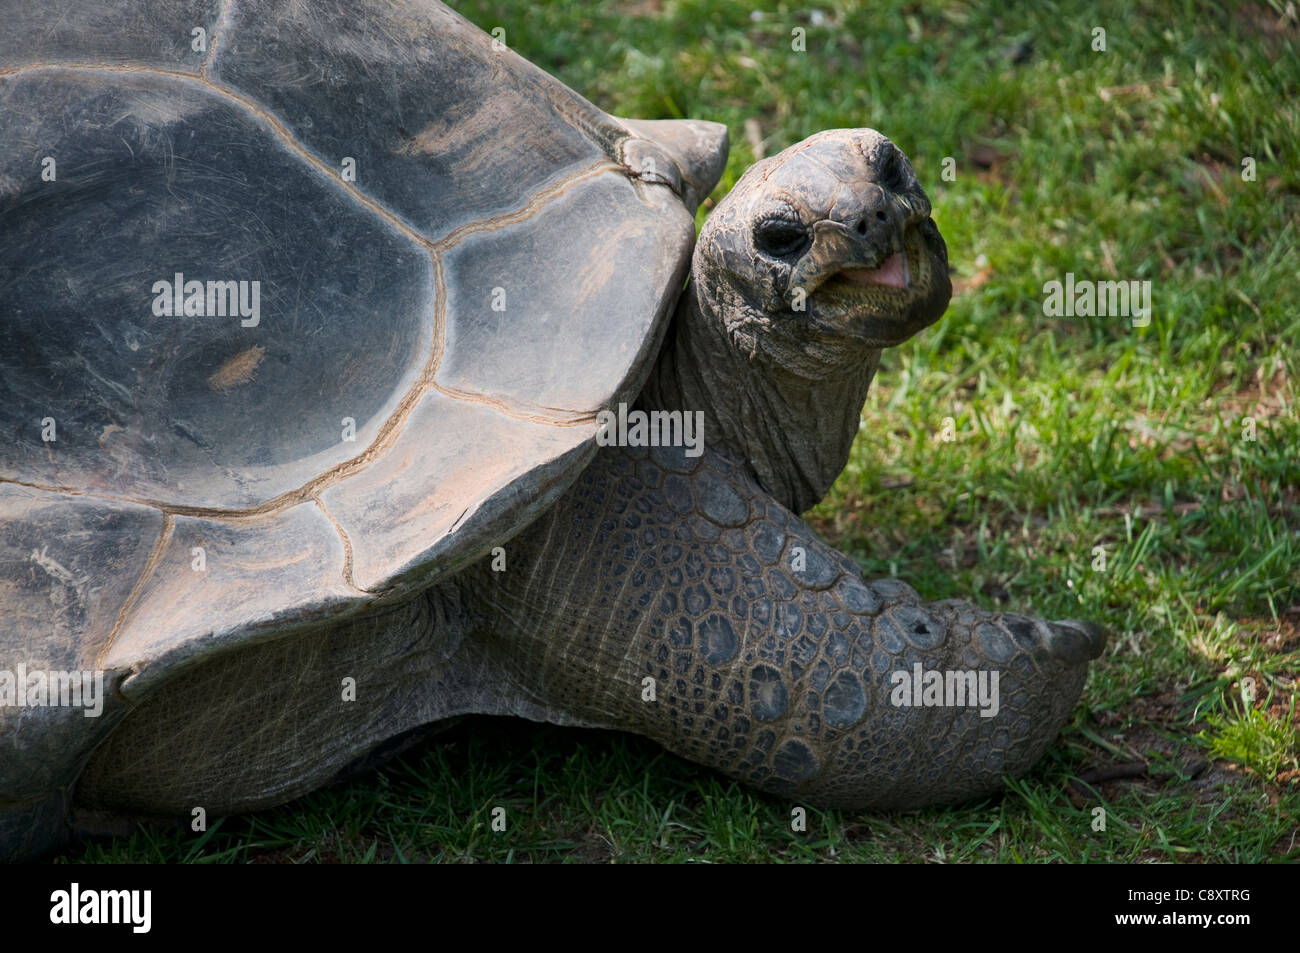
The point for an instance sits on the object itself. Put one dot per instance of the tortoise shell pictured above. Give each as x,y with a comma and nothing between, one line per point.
301,307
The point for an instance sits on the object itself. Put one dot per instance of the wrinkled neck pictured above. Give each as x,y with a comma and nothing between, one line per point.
795,433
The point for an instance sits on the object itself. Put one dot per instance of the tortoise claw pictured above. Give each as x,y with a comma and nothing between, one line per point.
1075,641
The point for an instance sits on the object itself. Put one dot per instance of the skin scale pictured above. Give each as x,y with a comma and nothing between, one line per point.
326,559
658,565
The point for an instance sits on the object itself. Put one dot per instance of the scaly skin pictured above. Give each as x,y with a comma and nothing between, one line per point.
656,565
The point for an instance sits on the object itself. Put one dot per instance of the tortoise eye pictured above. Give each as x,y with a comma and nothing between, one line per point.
780,238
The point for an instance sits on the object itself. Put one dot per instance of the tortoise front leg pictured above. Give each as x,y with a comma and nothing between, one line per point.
673,598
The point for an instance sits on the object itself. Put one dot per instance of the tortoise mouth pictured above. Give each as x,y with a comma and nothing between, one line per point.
884,305
893,272
896,278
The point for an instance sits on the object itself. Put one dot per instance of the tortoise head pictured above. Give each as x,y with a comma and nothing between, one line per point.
823,254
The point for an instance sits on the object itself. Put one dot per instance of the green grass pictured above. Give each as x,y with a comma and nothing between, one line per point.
1069,434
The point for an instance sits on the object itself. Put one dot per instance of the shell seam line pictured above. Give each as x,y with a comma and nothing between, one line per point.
572,418
151,564
347,546
530,208
218,31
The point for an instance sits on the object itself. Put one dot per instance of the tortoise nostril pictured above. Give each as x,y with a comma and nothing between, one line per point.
880,216
862,225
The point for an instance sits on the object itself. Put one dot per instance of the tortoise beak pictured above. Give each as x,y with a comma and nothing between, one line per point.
882,294
861,253
867,249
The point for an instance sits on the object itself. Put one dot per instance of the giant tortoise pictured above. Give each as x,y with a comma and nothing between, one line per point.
351,381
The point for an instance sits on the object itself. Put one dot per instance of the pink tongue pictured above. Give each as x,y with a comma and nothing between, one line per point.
892,271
